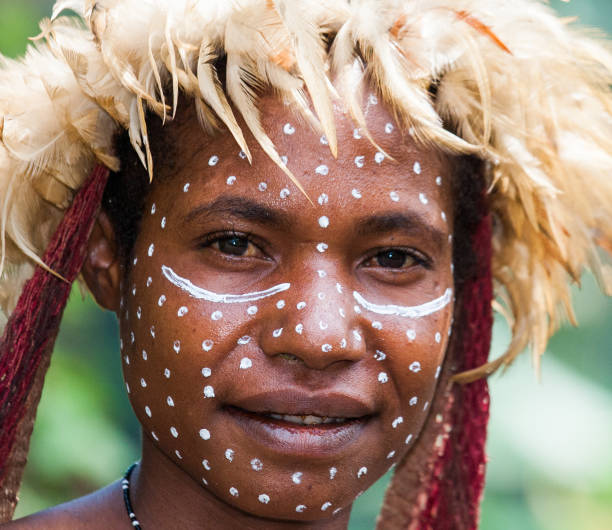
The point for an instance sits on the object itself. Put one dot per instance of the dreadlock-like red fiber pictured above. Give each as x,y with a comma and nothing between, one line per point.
33,325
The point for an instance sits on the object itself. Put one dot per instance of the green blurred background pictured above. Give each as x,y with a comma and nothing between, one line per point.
550,442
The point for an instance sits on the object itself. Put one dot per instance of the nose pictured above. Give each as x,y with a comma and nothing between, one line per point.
316,324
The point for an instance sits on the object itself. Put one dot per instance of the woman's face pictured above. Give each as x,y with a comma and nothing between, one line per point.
282,352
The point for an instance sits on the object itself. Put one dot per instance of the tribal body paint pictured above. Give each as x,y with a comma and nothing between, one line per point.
282,354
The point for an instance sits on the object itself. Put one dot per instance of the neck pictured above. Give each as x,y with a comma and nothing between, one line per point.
165,496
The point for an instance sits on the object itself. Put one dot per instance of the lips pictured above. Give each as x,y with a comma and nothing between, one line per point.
294,422
299,403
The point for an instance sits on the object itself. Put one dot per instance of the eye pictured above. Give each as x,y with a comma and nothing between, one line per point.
234,245
395,258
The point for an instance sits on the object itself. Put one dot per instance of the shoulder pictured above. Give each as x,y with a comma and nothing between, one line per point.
102,509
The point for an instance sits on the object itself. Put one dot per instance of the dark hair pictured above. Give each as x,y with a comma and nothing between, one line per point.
126,194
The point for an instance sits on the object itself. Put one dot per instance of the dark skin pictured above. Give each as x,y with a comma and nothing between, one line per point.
361,356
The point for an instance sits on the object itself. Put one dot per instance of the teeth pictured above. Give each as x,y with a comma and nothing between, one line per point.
305,420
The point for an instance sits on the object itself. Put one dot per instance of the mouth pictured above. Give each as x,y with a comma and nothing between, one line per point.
296,420
300,424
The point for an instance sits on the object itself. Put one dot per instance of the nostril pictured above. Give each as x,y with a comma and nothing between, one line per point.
289,357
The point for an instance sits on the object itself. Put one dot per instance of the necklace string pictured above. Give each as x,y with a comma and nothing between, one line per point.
125,484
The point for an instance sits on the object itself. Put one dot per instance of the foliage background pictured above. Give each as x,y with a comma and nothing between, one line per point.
549,442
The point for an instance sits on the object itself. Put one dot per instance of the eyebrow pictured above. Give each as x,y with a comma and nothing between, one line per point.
240,208
408,222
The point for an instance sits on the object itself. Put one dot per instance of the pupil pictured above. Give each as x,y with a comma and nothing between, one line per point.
233,245
392,259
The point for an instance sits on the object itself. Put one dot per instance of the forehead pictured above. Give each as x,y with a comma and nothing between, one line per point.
392,172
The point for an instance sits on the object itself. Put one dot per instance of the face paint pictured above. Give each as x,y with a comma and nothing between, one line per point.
223,336
203,294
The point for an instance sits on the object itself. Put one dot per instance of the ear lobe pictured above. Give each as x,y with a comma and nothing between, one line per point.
102,268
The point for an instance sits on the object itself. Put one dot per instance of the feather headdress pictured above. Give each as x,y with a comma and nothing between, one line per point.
509,83
514,85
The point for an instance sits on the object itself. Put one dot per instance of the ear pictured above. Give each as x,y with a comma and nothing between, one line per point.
102,269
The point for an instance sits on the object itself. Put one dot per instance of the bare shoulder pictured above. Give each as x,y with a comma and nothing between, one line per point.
101,509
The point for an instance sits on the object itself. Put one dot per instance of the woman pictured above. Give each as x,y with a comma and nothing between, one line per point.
301,294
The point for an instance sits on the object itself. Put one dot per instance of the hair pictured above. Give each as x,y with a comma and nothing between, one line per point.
127,190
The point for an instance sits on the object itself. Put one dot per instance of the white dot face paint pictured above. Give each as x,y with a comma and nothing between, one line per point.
325,506
383,377
423,198
245,339
397,421
301,305
252,310
217,315
297,477
389,128
170,401
213,160
360,161
162,300
438,371
323,140
163,224
299,329
280,304
380,356
394,196
356,134
377,325
256,464
326,348
148,411
277,333
264,499
209,392
439,181
322,247
408,439
182,311
262,186
206,372
288,129
417,168
411,334
284,193
415,367
324,221
362,472
438,338
322,170
177,346
174,432
207,345
167,373
186,187
151,250
229,454
356,193
206,465
390,455
379,157
300,508
242,155
413,401
231,180
153,208
233,492
332,473
204,434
